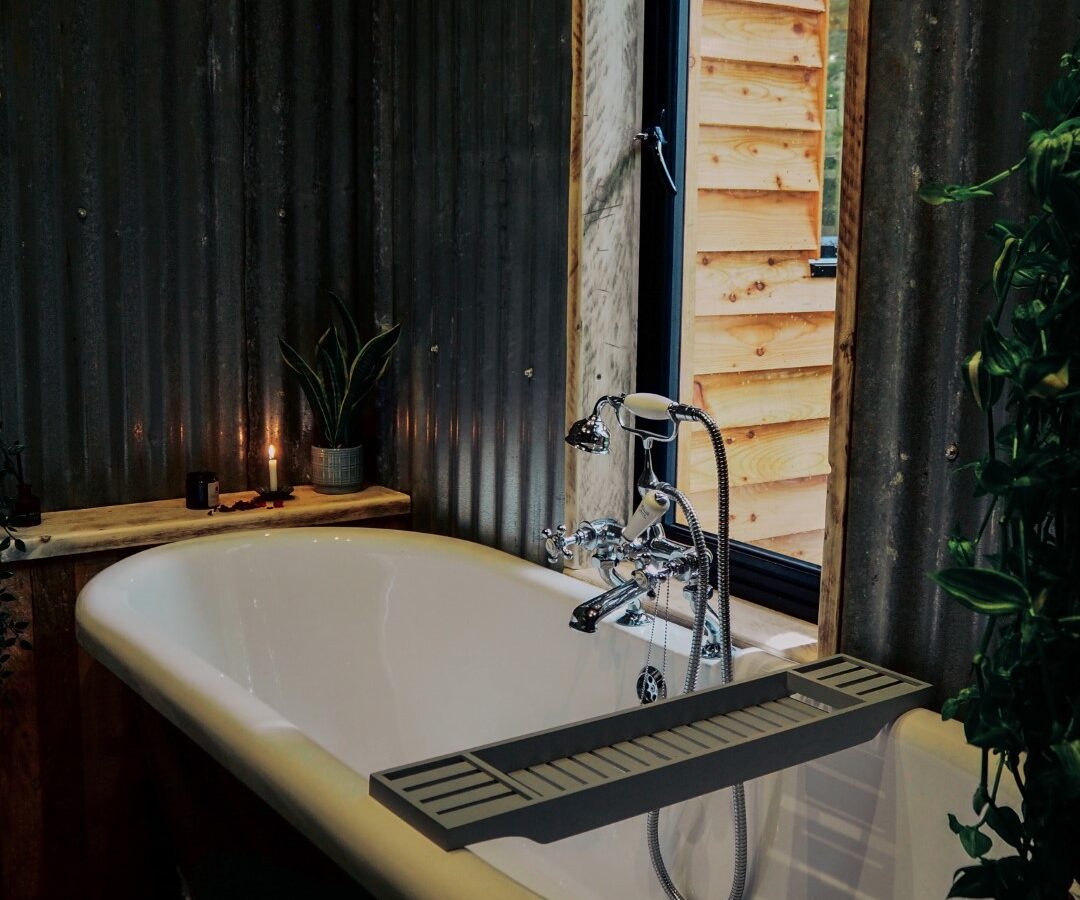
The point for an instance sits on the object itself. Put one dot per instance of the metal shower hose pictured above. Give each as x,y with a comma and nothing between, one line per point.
723,586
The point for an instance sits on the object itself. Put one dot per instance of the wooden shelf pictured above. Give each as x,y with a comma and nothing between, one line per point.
75,531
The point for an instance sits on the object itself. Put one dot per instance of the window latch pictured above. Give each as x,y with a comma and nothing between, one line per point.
653,138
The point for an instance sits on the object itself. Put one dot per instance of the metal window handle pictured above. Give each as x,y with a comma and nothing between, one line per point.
653,137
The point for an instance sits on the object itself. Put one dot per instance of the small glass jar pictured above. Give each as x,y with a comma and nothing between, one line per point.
203,490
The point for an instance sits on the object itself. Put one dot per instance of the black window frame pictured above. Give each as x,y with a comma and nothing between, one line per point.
783,583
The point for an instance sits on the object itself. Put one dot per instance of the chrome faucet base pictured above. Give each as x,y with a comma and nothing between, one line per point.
634,618
712,651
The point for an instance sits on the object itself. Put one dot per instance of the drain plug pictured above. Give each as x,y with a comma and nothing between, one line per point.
651,685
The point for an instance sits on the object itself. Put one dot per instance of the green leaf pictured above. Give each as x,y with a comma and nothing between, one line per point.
1001,355
1047,153
310,383
1068,754
1045,377
974,881
1004,265
937,194
980,799
352,333
974,842
985,591
962,550
1007,824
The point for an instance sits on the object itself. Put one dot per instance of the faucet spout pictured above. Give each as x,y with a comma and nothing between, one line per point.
585,616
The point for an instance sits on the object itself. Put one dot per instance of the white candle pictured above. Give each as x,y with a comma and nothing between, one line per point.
273,470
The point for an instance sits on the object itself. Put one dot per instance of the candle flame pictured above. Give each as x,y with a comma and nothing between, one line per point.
271,451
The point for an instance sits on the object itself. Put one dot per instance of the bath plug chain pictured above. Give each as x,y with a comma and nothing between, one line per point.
651,684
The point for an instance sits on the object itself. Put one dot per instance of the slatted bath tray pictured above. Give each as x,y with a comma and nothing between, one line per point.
557,783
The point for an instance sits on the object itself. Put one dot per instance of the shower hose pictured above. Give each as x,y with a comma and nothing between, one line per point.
723,587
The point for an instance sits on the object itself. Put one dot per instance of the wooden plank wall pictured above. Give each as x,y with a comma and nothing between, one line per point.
757,330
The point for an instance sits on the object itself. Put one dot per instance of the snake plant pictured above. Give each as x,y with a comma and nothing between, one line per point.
344,372
1022,707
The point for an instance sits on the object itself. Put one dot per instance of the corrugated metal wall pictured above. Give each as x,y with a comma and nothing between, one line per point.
179,182
177,185
946,86
474,115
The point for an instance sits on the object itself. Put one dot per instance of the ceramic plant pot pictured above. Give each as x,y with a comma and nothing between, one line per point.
336,471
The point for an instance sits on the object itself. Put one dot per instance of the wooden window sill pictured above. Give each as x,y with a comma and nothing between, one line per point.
751,625
76,531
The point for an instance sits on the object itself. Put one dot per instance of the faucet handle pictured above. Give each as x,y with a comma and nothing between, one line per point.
557,545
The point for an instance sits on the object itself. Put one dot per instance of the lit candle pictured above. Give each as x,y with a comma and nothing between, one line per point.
273,470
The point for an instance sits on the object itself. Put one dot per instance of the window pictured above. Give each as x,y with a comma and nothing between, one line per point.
736,303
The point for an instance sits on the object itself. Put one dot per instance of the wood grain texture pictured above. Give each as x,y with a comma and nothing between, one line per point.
728,284
761,511
758,220
762,453
755,343
765,398
761,33
814,5
602,327
78,531
830,606
758,159
807,545
760,95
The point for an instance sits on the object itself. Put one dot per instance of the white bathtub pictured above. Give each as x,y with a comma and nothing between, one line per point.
305,659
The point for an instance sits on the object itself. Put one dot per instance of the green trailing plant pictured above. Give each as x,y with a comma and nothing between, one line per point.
1022,708
13,630
345,370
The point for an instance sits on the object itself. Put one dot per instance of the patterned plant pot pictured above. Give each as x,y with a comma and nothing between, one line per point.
336,471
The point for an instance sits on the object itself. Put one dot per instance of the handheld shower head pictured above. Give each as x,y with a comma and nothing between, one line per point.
590,435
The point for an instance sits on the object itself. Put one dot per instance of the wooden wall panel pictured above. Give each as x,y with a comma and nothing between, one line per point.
755,343
758,342
760,96
760,511
807,545
815,5
770,34
750,220
733,284
763,398
761,453
758,159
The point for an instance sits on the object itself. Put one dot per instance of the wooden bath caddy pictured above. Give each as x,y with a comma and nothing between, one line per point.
557,783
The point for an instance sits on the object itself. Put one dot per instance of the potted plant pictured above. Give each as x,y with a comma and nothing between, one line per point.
344,372
1022,709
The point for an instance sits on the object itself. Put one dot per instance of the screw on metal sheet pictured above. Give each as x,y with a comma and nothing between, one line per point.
951,452
81,212
529,372
281,212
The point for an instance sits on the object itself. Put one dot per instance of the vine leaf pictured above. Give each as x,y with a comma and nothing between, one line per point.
974,842
985,591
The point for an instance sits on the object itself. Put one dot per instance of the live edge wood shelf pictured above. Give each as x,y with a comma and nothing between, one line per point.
77,813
